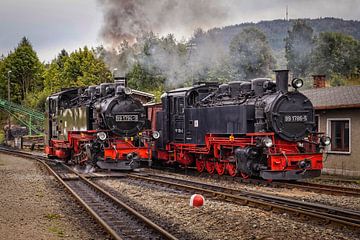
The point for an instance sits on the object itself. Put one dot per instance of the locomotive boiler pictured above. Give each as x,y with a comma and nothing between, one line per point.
103,126
252,128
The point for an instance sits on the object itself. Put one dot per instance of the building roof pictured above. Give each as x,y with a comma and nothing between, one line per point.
334,97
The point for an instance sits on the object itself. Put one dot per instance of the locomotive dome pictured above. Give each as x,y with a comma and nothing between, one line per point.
124,116
291,116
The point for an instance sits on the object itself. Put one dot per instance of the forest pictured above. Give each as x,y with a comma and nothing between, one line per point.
159,63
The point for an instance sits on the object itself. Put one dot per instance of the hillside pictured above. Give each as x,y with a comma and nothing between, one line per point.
276,31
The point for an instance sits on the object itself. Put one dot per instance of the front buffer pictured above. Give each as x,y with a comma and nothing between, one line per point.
293,166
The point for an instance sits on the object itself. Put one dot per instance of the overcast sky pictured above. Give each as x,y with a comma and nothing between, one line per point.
52,25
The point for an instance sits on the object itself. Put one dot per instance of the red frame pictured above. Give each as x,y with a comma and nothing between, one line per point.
117,150
282,156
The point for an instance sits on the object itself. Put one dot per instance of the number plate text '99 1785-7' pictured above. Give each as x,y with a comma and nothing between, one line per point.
126,118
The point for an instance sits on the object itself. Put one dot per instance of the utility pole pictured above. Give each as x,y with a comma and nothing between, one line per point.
287,13
9,101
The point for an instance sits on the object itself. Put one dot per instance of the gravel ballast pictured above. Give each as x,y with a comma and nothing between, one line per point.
33,205
219,219
347,202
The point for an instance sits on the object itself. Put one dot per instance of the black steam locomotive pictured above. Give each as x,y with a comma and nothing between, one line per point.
104,126
255,128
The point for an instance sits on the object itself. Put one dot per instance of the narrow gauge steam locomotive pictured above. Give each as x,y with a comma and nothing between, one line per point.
256,128
103,126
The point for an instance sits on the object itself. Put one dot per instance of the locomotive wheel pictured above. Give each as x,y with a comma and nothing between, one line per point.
231,168
200,165
220,168
244,175
210,166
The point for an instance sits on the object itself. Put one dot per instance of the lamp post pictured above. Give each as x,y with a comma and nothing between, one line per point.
9,101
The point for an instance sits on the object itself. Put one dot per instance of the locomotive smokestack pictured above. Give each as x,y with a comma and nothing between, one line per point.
120,81
282,80
119,78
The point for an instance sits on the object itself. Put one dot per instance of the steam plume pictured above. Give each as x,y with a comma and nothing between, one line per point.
129,19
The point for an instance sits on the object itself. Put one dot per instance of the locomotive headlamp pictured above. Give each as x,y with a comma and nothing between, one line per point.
324,140
127,91
155,134
297,83
101,136
267,142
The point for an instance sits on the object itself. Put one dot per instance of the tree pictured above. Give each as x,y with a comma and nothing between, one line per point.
83,68
337,55
26,71
298,48
80,68
251,54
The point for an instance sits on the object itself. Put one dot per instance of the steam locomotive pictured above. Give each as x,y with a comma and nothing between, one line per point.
103,126
257,128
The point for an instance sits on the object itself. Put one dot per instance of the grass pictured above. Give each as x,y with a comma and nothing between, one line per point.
2,136
53,216
57,231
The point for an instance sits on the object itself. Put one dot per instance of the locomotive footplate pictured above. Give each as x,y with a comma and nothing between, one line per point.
118,165
290,174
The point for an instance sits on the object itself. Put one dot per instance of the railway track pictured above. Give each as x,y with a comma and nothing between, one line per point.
322,188
101,203
325,214
118,219
306,186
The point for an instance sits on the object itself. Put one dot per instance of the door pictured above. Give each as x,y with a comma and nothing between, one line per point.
177,119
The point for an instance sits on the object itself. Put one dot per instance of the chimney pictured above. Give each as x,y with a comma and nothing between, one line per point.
120,81
282,79
119,78
319,81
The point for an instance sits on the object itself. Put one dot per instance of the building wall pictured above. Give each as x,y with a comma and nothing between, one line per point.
343,164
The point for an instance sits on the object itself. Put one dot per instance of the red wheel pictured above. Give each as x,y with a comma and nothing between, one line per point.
200,165
220,168
244,175
231,168
210,166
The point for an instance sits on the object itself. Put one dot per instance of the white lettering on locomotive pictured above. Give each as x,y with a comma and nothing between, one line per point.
295,118
126,118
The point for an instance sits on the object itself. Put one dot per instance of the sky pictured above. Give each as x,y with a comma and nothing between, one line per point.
52,25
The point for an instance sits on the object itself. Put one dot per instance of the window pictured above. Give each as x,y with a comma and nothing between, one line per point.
181,105
339,131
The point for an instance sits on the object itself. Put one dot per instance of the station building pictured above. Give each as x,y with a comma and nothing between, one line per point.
337,112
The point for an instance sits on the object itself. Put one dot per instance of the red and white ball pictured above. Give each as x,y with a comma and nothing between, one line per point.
197,200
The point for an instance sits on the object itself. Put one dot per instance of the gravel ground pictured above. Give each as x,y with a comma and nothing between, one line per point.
34,206
337,181
218,219
298,194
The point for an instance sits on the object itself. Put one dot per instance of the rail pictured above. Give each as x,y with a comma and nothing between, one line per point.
117,218
344,217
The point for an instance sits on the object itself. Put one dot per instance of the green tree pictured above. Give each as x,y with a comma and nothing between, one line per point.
80,68
250,54
139,78
53,79
337,56
298,48
26,71
83,68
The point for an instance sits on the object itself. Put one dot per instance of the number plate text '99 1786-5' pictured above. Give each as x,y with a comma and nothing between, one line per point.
295,118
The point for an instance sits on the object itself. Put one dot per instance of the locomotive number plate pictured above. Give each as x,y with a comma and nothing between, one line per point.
295,118
126,118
